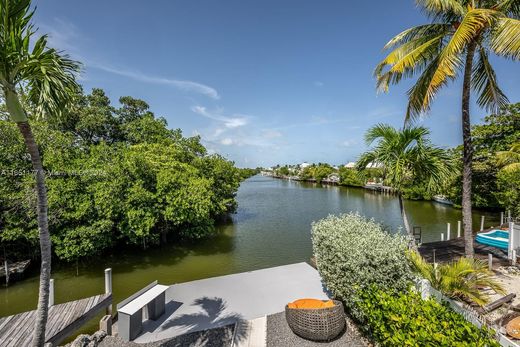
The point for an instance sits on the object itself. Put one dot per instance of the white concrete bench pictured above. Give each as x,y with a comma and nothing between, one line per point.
130,311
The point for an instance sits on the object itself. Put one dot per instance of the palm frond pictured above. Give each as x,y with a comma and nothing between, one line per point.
510,8
46,74
460,279
505,38
417,32
436,8
380,131
510,160
407,59
446,66
484,81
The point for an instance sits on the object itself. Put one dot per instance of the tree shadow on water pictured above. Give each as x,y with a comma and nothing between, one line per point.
210,316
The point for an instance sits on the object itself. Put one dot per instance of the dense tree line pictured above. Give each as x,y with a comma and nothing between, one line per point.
116,176
493,187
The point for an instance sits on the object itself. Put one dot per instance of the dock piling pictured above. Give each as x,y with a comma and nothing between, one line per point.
6,273
501,218
458,228
482,218
490,261
442,236
51,292
448,231
108,287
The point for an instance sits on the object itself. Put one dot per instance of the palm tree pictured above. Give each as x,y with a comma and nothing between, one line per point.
460,279
510,160
47,79
407,156
460,31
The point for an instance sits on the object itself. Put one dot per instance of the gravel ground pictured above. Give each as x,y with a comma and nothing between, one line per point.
218,337
280,335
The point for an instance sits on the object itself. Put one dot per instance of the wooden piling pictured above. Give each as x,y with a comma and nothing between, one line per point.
6,273
448,231
501,218
108,288
459,224
51,292
442,236
490,261
482,218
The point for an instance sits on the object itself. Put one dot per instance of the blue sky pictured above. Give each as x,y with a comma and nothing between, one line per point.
263,82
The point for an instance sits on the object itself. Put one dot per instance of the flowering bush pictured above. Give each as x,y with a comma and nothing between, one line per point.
353,254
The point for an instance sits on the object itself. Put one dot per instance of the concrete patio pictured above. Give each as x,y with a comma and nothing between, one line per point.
219,301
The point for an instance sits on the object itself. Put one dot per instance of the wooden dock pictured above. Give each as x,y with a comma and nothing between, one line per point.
453,249
64,319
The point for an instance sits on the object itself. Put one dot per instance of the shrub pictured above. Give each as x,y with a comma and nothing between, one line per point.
353,254
407,320
459,279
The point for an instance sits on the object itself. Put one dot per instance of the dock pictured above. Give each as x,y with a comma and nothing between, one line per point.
445,251
64,319
10,272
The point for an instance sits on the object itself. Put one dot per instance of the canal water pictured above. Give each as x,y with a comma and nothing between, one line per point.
271,227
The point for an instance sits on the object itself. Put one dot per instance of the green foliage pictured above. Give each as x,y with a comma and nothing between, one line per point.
317,172
283,171
115,177
351,177
491,188
508,192
460,279
407,320
245,173
407,156
354,253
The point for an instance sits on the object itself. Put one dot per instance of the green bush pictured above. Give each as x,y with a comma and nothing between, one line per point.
407,320
354,253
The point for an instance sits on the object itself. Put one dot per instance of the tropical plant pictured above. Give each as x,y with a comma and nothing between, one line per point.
510,160
407,156
460,279
439,51
354,253
407,320
47,77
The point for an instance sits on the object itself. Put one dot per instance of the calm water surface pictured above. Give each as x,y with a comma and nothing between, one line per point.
271,227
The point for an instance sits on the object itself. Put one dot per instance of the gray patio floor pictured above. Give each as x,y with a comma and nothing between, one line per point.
218,301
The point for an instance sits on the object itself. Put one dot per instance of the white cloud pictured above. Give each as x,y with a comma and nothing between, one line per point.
271,134
65,36
230,122
227,141
189,86
349,143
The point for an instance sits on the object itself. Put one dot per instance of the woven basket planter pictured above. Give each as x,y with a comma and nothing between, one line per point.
322,324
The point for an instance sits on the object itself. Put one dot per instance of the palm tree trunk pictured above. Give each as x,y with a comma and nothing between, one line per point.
45,241
411,237
468,153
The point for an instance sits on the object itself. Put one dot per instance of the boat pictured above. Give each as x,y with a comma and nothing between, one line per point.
495,238
373,186
441,199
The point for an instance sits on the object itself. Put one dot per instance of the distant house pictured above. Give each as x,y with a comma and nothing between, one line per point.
372,165
333,177
304,165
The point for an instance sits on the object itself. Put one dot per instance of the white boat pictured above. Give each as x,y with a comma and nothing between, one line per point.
442,200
